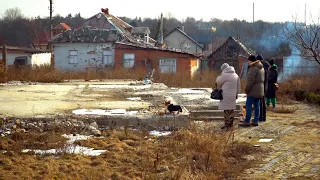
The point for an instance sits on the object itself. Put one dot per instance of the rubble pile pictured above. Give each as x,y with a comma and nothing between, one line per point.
85,126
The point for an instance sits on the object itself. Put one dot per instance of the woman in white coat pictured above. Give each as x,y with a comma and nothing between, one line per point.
229,82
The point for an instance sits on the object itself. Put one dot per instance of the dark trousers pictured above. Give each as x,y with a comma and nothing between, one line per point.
263,109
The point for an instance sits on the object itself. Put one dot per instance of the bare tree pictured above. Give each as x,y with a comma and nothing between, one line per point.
306,38
12,14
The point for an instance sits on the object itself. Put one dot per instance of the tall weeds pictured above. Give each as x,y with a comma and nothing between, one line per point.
46,75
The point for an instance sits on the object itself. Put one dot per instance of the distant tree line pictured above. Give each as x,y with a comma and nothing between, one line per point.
263,37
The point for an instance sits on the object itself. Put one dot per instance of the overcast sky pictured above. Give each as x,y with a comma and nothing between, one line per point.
266,10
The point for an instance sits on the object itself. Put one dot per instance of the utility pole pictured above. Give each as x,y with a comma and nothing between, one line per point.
305,14
51,10
253,14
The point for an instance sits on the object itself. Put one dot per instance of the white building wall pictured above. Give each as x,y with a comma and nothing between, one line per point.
41,59
90,55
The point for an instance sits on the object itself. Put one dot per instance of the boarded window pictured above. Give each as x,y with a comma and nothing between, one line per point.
107,58
73,57
128,60
168,65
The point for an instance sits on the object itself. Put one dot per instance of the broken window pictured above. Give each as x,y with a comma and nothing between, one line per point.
168,65
73,57
128,60
107,58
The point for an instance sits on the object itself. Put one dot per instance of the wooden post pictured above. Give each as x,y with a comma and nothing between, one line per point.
3,63
4,58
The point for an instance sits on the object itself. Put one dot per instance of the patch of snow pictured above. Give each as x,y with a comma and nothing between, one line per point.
89,111
103,112
69,150
77,137
114,86
265,140
134,99
160,133
188,91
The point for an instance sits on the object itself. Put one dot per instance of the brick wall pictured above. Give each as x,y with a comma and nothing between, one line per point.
145,55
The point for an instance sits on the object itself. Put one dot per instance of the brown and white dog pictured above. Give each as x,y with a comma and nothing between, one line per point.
172,108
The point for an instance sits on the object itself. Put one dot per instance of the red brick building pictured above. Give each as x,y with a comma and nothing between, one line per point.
163,60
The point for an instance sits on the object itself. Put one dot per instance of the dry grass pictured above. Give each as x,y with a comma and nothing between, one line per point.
188,154
20,140
302,83
46,75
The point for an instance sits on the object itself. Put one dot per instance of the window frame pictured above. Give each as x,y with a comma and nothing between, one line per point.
168,65
125,59
107,57
73,58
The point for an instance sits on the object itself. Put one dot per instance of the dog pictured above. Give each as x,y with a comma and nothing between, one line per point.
172,108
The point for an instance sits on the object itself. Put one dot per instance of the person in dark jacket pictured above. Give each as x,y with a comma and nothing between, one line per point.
272,80
263,106
254,90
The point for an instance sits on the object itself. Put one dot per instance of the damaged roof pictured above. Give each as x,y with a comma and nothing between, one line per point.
173,50
140,30
101,27
24,50
245,51
62,26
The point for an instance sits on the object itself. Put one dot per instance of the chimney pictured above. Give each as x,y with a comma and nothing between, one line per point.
106,11
160,33
182,28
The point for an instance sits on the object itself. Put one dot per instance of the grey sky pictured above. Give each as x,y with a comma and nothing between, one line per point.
266,10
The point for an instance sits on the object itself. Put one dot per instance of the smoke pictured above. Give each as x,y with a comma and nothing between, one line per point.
297,65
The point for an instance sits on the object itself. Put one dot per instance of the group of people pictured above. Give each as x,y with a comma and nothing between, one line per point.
261,86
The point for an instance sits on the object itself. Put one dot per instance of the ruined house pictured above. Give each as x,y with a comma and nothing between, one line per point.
233,52
105,42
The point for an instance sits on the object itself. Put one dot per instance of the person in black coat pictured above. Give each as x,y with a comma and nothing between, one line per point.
263,106
273,79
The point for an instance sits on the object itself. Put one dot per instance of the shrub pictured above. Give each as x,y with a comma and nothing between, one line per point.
299,95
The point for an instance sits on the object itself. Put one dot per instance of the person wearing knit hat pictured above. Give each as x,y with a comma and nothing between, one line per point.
254,90
272,84
224,65
263,105
229,82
